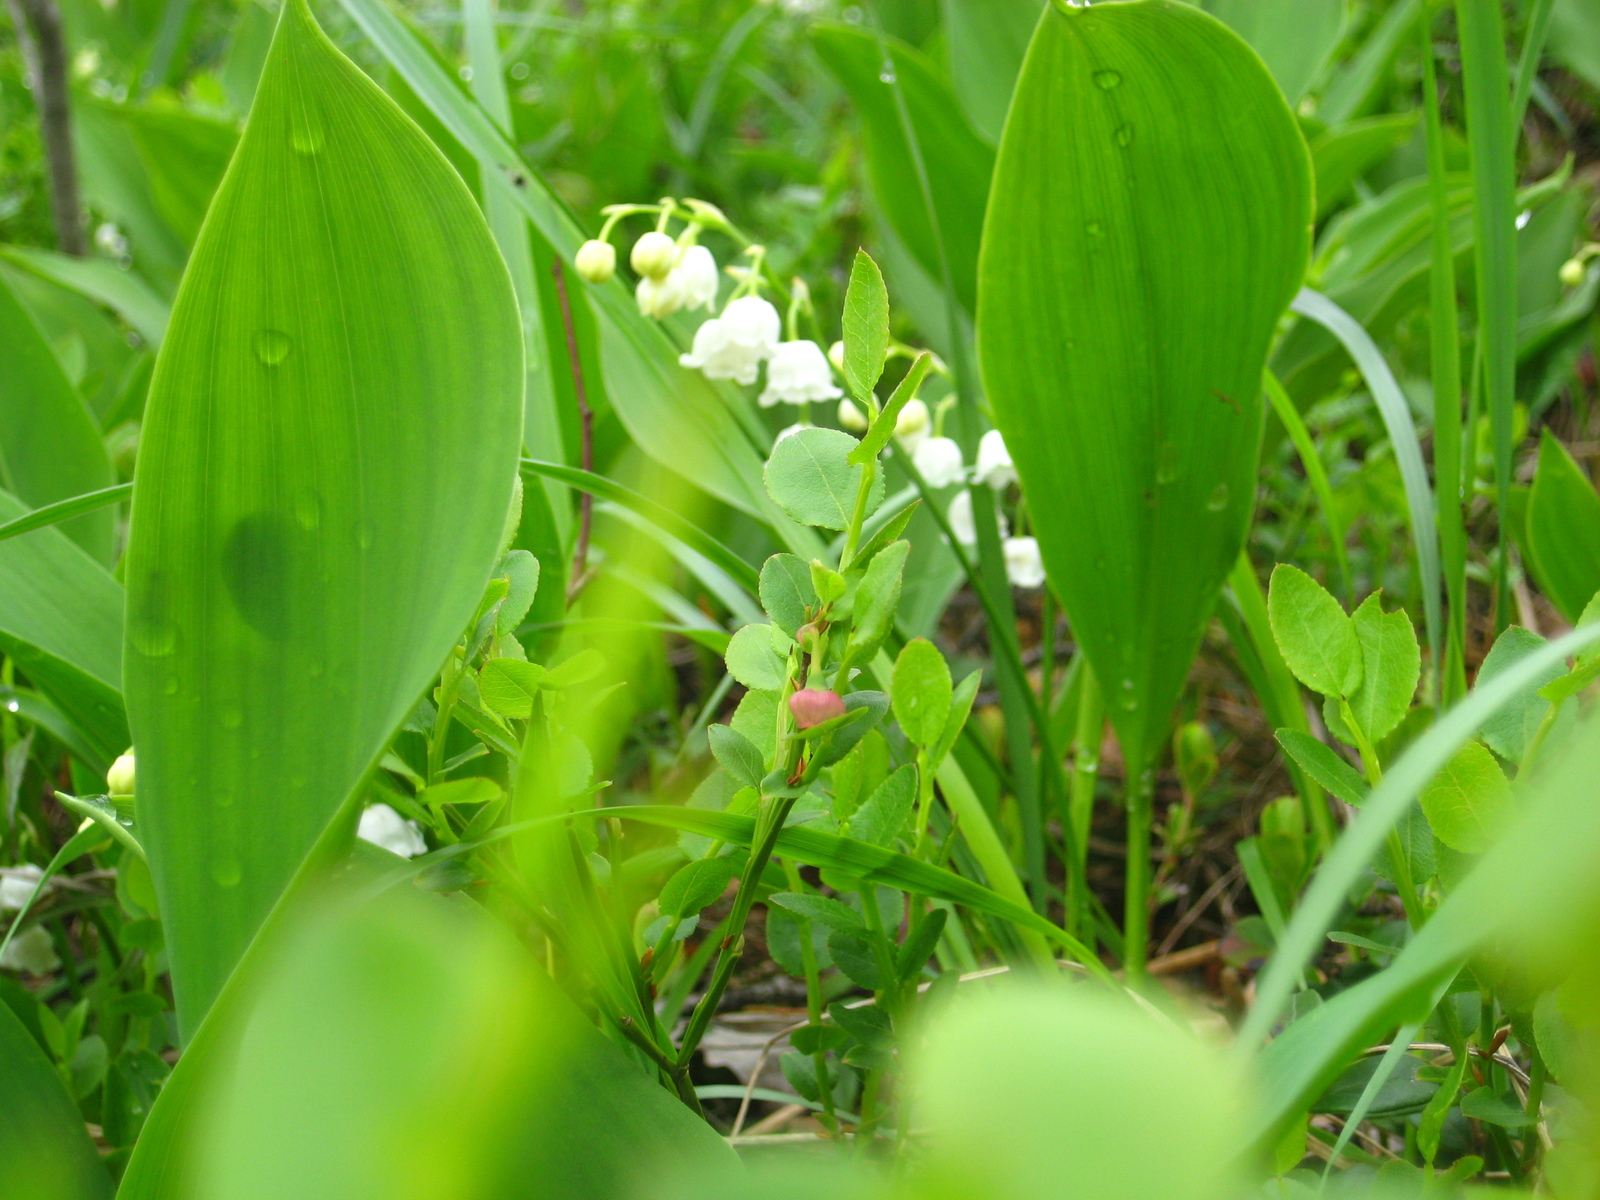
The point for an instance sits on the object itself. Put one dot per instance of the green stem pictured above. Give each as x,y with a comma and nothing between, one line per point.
774,810
1085,776
1136,896
1446,347
1398,859
808,963
869,473
1537,1075
449,689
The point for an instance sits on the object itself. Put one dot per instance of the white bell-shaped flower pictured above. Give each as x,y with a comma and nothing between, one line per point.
939,461
658,298
911,426
851,417
695,276
16,885
387,829
596,261
798,374
994,461
654,255
32,952
734,345
1024,567
959,514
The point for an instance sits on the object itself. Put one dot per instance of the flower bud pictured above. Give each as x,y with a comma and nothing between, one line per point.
812,706
596,261
1024,566
911,426
851,417
806,637
836,356
939,461
119,779
1571,272
654,255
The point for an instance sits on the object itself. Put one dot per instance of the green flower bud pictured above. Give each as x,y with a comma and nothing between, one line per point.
119,779
654,255
596,261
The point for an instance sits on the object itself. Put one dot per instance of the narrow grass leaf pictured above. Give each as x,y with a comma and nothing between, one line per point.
323,479
1148,224
1402,430
65,510
50,446
61,623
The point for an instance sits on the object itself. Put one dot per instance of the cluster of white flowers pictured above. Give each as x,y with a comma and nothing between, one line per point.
16,885
1024,566
734,345
388,830
31,952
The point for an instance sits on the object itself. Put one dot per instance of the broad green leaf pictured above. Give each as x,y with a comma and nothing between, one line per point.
695,885
1576,38
521,570
1123,323
866,326
45,1153
61,622
786,591
824,910
922,692
738,757
1391,665
323,479
756,720
1317,639
1564,529
50,448
848,736
1295,38
987,39
955,161
879,821
809,476
961,700
877,596
1469,801
751,659
1508,731
510,686
503,1081
1323,765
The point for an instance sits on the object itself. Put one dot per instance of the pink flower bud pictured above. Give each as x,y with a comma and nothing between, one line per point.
812,706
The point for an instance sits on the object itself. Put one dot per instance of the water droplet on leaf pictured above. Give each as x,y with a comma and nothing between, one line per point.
272,346
225,869
1107,79
1094,229
230,716
1167,462
1125,135
308,511
1218,500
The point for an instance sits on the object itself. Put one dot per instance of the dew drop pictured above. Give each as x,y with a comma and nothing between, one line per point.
171,685
308,511
1124,135
365,537
466,74
225,869
1126,697
1094,229
1218,500
223,798
154,637
272,346
1107,79
305,134
230,716
1167,462
886,75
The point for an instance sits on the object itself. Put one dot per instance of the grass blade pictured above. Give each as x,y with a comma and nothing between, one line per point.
50,447
103,282
1490,137
63,510
1396,415
61,621
1316,475
322,483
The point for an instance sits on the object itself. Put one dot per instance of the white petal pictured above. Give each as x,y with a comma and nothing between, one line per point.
31,951
1024,567
994,461
384,827
939,461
